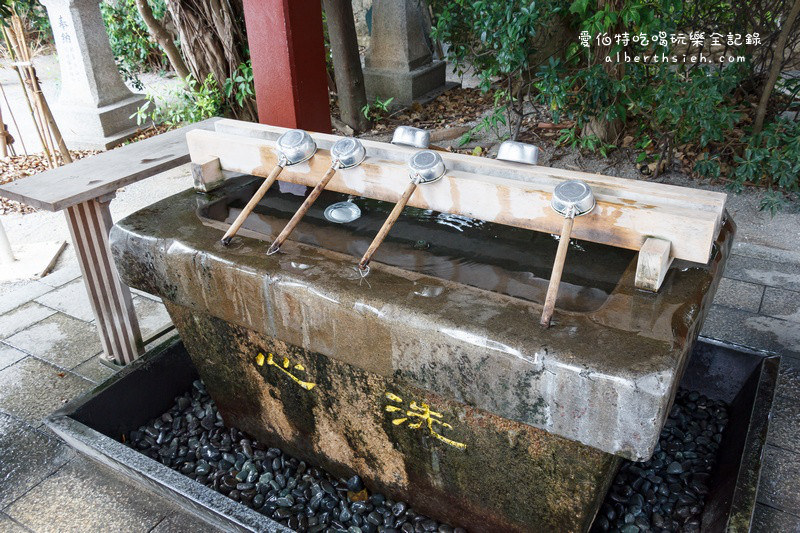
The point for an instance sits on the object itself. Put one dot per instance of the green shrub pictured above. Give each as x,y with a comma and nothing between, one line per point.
133,48
192,102
497,40
770,159
664,106
186,103
239,87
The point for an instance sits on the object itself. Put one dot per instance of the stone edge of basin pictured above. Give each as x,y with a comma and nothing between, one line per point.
476,347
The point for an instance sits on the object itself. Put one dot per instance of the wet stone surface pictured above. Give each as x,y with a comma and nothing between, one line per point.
667,493
192,439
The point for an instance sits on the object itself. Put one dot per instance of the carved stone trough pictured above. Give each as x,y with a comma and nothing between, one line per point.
431,377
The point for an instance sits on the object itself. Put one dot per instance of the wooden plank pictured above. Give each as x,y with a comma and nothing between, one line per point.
642,191
103,173
653,264
207,175
624,216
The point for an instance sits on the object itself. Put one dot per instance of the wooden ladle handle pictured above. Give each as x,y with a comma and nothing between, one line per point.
393,216
259,194
302,210
558,269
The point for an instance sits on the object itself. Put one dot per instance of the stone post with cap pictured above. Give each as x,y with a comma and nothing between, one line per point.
94,107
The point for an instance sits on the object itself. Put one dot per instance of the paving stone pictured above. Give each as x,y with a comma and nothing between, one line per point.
750,329
71,299
31,389
781,303
94,370
152,316
780,479
770,253
769,520
60,339
739,294
16,294
84,496
784,429
182,523
9,355
764,272
789,378
7,525
22,317
28,457
66,271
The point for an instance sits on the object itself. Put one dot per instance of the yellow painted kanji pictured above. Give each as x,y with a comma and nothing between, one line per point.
270,360
418,415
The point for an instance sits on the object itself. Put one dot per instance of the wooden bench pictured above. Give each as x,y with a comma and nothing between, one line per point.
83,190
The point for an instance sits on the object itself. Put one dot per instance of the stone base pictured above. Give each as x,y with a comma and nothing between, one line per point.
479,471
404,87
98,128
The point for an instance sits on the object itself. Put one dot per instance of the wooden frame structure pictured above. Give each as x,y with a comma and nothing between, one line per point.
84,190
662,222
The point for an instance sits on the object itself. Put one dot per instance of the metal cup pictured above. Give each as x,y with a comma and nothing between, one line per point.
410,136
518,152
426,166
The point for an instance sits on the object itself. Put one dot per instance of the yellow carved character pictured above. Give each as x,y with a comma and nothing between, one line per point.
425,416
286,363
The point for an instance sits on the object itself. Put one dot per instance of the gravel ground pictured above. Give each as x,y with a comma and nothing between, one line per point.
667,493
192,439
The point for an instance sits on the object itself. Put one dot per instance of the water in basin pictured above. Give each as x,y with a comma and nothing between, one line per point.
512,261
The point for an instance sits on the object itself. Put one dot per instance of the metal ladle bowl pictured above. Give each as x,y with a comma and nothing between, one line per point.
426,166
572,198
295,146
518,152
342,212
347,153
410,136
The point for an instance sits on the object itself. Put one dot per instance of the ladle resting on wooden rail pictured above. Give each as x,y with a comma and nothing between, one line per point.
662,222
425,166
346,153
570,199
293,147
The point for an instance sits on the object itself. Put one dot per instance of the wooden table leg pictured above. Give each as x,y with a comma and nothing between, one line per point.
89,223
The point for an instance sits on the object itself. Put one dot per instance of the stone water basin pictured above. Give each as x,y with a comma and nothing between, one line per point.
431,376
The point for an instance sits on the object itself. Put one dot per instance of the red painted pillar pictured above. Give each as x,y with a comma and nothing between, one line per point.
288,55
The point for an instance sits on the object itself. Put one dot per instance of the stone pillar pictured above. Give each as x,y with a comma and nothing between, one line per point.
94,108
399,60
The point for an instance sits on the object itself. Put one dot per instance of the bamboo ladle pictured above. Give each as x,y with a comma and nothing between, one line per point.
570,199
425,166
345,153
293,147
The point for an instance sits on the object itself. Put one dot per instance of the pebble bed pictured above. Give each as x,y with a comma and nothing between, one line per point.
192,439
667,493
